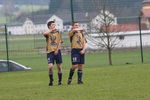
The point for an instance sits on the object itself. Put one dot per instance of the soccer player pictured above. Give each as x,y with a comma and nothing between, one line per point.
78,45
54,41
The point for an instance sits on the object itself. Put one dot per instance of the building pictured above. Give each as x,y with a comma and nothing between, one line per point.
28,27
145,13
99,20
58,21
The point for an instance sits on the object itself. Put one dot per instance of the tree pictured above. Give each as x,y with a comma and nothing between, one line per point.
8,7
104,28
54,5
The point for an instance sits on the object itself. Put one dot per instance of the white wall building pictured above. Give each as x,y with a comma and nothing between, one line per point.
82,25
16,30
128,39
132,39
98,20
30,28
58,22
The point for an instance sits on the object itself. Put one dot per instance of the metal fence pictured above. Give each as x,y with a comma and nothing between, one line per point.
21,39
2,43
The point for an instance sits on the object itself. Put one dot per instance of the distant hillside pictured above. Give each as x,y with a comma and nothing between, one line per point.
132,6
127,7
38,2
120,8
85,3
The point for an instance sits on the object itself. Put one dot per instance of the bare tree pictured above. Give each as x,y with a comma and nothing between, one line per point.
8,9
103,31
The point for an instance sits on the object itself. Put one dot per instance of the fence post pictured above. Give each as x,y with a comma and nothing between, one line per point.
141,46
72,13
6,38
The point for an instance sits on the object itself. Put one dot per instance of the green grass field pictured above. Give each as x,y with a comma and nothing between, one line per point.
2,19
28,41
26,50
102,82
31,8
125,82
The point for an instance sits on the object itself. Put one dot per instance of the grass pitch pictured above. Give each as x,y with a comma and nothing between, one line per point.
102,82
126,82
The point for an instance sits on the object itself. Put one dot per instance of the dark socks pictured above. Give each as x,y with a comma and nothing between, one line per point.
51,76
79,75
71,73
59,77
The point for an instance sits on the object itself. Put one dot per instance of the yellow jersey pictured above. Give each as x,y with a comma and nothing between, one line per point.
53,39
78,40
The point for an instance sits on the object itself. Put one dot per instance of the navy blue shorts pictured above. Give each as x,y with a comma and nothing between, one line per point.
76,57
51,58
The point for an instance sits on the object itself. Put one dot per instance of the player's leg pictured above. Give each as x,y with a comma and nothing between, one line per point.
50,70
75,60
58,58
50,58
59,67
71,73
80,69
80,72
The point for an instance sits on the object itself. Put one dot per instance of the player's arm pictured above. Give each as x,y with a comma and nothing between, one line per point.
59,44
71,32
84,46
46,33
60,41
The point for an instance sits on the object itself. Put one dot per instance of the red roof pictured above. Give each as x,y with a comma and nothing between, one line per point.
146,12
122,27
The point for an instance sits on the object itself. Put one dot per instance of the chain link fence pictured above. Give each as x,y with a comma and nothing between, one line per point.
2,43
26,43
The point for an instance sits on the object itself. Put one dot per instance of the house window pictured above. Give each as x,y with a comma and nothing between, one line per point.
121,37
96,20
